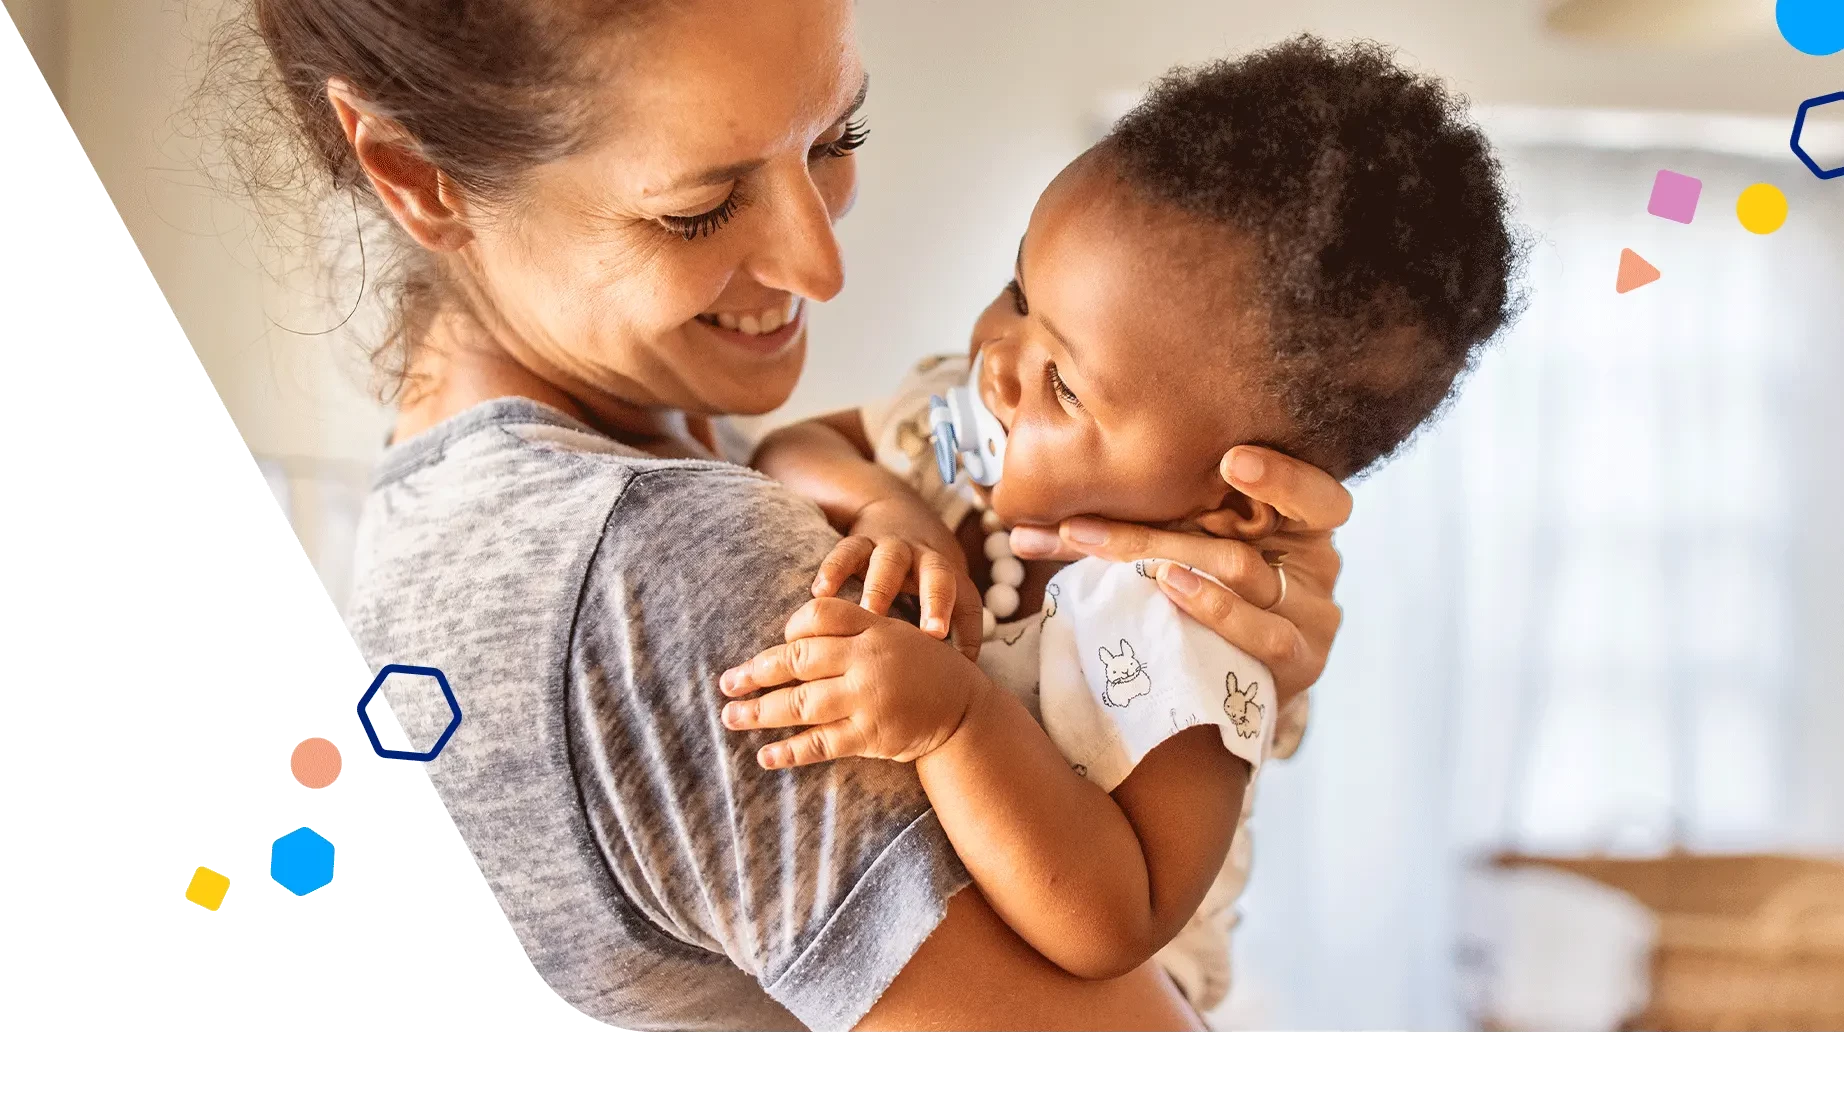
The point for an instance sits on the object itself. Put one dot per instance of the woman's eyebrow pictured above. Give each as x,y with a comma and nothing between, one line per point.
718,175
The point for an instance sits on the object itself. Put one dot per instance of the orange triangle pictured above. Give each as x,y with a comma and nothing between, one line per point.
1634,272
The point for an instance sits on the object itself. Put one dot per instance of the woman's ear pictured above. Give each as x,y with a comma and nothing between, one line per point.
417,195
1240,517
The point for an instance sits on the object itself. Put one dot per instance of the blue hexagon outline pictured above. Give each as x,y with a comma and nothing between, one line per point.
454,708
1799,125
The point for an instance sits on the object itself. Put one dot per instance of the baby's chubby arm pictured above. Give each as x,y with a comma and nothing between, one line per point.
1096,883
895,539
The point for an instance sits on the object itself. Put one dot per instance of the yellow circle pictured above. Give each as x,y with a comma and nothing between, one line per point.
1761,208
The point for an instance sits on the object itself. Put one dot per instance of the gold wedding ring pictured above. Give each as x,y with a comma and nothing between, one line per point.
1275,560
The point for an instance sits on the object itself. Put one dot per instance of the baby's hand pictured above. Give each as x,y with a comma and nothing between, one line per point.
897,544
868,686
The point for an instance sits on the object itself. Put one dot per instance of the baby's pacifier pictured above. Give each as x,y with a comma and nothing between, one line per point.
967,435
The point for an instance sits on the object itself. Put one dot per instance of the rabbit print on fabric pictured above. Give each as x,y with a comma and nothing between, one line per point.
1241,706
1127,678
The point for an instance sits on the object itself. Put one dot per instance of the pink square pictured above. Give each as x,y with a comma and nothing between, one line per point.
1674,196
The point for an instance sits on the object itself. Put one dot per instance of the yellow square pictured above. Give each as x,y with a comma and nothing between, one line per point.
207,888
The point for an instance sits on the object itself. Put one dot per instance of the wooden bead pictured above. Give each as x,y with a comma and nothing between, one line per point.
1002,600
992,521
1007,570
999,546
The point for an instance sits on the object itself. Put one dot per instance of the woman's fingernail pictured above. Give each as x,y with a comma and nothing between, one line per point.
766,757
936,626
1086,530
1031,543
727,681
1179,578
1247,467
733,714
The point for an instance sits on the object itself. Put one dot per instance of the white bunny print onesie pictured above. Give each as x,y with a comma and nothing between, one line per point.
1111,668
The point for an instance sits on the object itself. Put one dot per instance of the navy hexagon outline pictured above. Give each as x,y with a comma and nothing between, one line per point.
1799,125
448,693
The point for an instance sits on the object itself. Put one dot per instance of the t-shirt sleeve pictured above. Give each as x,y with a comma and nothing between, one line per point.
1122,669
818,882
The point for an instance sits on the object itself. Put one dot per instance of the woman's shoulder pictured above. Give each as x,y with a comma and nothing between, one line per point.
520,502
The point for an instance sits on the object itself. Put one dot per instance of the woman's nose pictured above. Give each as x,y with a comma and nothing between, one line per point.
801,254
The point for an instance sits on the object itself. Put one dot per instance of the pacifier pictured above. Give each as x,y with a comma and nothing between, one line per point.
967,434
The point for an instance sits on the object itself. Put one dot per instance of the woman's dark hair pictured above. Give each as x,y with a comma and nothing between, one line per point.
485,89
1378,217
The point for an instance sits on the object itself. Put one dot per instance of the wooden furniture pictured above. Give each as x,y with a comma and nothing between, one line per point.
1746,943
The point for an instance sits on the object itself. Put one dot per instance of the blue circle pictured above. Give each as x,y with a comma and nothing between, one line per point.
1811,26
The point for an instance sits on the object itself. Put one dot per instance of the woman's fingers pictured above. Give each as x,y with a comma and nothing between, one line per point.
1239,565
810,658
822,743
884,578
847,558
1311,500
804,704
1292,645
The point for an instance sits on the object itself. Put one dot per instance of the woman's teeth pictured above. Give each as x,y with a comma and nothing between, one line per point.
754,324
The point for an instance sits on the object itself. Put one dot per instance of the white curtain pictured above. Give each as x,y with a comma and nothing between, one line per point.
1595,610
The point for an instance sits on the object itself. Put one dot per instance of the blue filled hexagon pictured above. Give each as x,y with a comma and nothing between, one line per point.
301,861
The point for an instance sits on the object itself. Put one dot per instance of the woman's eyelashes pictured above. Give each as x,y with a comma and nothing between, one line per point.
851,136
1018,303
703,223
1063,392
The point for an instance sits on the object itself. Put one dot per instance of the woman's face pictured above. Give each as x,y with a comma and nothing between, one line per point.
670,262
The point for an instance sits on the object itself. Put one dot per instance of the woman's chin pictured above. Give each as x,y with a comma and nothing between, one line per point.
751,385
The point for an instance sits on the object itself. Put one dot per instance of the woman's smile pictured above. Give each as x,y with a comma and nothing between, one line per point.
762,332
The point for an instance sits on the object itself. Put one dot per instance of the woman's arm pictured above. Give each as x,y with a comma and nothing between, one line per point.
1096,883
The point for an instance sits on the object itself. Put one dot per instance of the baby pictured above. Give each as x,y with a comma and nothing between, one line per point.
1302,248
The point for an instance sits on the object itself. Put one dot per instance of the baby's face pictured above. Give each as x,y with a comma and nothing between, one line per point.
1122,360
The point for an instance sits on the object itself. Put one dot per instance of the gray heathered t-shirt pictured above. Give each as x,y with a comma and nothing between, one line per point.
582,599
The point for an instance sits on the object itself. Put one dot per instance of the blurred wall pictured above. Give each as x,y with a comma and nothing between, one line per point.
976,104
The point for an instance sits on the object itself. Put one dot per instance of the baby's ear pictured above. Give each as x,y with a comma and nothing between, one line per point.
1240,517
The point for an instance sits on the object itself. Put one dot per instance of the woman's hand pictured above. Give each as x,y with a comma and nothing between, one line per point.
1290,634
898,543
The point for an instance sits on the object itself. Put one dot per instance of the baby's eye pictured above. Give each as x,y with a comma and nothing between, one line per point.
1018,304
1063,392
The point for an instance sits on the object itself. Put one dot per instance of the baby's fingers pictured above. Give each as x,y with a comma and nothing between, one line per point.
810,658
822,743
848,558
884,579
805,704
937,588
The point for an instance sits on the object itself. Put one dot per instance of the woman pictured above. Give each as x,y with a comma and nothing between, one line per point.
601,200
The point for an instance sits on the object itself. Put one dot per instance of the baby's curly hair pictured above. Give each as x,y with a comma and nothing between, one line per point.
1376,210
